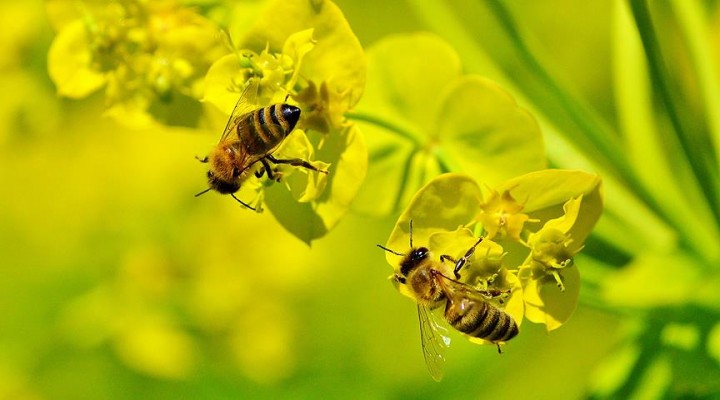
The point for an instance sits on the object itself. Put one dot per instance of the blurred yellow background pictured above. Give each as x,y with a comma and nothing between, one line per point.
117,283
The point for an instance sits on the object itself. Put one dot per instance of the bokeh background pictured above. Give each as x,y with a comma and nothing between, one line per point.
116,283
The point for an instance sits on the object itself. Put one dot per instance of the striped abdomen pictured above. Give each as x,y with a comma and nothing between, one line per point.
480,319
262,130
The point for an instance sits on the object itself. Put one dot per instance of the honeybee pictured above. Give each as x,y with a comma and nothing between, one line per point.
466,307
251,136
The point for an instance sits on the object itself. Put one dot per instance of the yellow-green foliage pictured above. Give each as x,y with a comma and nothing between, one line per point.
528,247
580,139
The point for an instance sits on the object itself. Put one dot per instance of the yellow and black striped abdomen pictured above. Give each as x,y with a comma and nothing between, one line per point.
481,320
262,130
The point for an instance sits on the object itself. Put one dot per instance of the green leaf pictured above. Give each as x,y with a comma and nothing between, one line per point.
390,158
406,76
428,118
346,154
614,370
679,274
69,63
486,134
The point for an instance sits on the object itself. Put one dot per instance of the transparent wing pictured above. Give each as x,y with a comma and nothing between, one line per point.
245,104
462,289
434,339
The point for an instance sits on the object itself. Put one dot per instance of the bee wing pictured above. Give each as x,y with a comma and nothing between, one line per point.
246,102
434,339
457,288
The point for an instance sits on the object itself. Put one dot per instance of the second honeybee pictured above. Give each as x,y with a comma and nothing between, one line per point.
466,308
251,136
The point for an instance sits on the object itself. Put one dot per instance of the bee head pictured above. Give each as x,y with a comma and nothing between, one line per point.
220,185
413,259
291,114
224,187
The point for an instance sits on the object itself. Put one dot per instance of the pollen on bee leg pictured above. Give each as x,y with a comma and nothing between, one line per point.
559,281
277,174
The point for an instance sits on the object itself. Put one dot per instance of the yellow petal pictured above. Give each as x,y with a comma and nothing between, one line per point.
546,304
69,63
444,204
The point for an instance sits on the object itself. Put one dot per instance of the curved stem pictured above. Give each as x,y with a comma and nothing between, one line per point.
382,123
692,142
603,141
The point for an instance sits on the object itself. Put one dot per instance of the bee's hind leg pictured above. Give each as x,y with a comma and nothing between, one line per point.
296,162
261,171
272,175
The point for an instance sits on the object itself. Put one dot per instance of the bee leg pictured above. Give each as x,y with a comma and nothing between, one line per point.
265,168
296,162
242,202
202,160
461,262
273,173
499,349
446,257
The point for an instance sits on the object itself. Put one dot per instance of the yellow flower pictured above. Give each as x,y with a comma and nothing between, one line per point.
500,215
309,57
531,270
549,277
150,57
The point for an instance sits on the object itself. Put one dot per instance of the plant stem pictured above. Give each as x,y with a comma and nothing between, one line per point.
386,125
691,141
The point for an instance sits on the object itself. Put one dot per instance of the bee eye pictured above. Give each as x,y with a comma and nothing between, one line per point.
420,253
235,172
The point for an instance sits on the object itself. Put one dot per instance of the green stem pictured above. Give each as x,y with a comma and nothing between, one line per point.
446,163
604,143
695,28
690,140
386,125
404,181
401,132
650,343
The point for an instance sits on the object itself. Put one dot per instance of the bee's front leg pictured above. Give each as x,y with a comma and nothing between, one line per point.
273,174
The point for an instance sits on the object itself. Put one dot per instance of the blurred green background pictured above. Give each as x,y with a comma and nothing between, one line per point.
116,283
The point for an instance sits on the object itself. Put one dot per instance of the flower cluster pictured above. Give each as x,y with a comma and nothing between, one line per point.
150,56
307,56
527,248
158,61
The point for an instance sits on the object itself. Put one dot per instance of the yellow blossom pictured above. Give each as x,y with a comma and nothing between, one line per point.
501,216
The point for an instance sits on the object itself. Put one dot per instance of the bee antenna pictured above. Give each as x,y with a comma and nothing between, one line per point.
390,251
240,201
287,96
203,192
411,245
